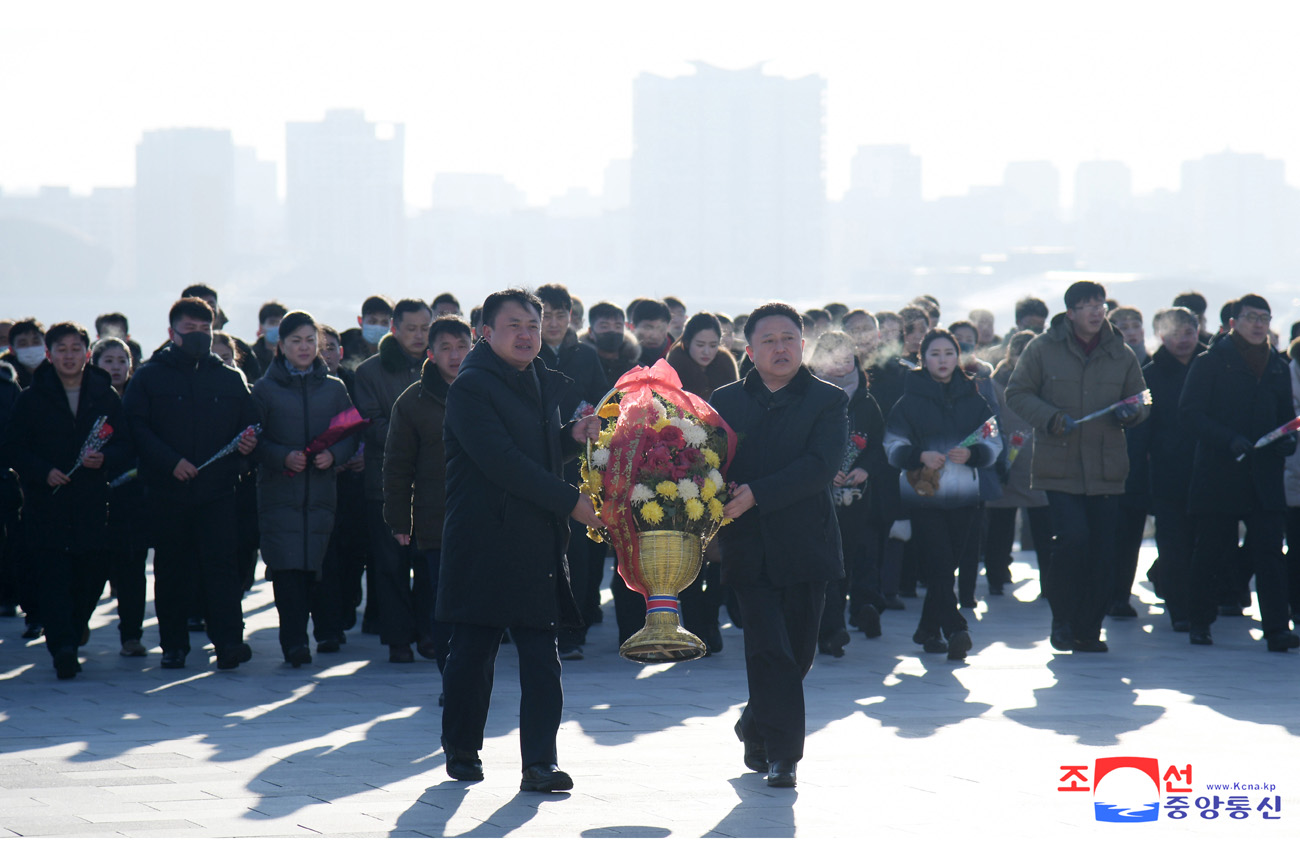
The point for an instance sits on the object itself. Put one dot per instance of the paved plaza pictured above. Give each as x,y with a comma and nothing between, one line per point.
904,749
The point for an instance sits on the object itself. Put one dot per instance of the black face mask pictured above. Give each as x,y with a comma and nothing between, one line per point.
609,341
196,344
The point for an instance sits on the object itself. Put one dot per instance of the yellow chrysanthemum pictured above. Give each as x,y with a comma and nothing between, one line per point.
659,425
710,457
694,509
709,490
652,513
715,509
609,410
605,438
595,482
666,489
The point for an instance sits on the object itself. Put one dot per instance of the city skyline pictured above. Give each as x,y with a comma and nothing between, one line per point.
544,97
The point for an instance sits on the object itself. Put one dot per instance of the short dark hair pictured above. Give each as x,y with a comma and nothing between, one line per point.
939,334
817,314
25,326
111,319
700,322
837,310
1125,313
1171,317
1030,306
775,308
929,305
1227,312
202,291
650,310
103,344
449,324
271,310
1193,301
476,317
556,295
602,310
963,323
722,319
631,308
190,308
853,314
493,303
64,329
674,304
332,332
1294,351
1017,342
445,298
409,305
1255,302
376,304
1084,290
292,321
912,314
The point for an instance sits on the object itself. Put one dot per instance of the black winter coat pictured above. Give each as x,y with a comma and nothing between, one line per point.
581,363
1222,400
934,417
790,446
1171,447
43,434
380,380
865,418
507,524
179,409
295,515
415,461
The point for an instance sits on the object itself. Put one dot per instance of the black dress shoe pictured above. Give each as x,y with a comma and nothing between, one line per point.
867,619
959,643
1091,645
996,589
545,779
893,602
1280,642
298,656
400,654
174,659
427,647
1182,625
33,631
1062,638
755,751
66,665
1122,610
834,643
1200,635
712,636
329,645
233,655
463,765
781,774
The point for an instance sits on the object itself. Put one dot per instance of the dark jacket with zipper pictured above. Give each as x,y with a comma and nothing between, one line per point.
181,408
43,434
380,380
790,446
507,524
1222,399
1171,446
415,463
296,514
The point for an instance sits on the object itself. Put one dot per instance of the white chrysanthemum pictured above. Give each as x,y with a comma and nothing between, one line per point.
688,489
600,457
693,433
716,477
641,493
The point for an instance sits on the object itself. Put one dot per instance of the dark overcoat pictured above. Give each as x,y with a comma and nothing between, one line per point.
790,446
181,408
1222,400
415,462
507,521
1171,446
295,514
43,434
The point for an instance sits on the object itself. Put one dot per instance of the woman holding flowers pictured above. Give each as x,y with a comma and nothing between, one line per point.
296,491
940,478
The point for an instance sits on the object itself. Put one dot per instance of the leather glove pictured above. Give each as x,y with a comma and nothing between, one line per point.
1061,424
1240,446
1126,411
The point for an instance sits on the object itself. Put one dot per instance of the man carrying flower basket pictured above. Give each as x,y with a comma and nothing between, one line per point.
784,544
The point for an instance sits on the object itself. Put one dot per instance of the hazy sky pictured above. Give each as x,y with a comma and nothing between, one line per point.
541,92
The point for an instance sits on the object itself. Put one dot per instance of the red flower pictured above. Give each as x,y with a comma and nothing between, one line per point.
859,441
672,436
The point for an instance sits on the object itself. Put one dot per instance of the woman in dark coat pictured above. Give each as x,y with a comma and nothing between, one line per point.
65,510
296,492
127,517
940,406
703,368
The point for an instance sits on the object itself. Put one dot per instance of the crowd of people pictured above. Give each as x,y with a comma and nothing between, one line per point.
413,475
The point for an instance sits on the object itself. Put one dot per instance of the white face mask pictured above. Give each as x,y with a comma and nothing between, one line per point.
30,356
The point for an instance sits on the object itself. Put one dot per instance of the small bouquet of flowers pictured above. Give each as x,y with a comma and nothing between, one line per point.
1018,440
1268,438
341,426
584,410
845,496
1142,399
100,432
925,481
231,446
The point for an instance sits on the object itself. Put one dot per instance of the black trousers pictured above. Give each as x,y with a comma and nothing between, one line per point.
1078,586
467,688
126,574
781,625
1000,537
968,561
195,571
440,632
1131,524
299,594
71,584
579,574
1216,536
862,565
941,535
1293,558
1174,540
629,606
402,584
702,599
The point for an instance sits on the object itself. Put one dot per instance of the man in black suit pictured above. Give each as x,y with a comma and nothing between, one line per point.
785,542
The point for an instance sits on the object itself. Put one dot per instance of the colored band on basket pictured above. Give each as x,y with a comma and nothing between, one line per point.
666,603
